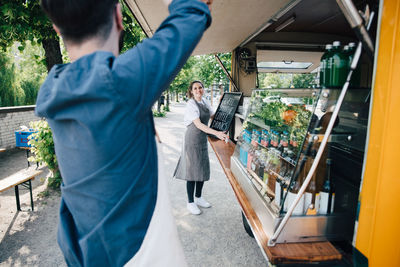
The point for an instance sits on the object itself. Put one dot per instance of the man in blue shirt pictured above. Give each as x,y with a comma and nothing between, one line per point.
99,109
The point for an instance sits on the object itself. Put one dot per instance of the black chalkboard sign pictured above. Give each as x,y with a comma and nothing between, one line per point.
226,111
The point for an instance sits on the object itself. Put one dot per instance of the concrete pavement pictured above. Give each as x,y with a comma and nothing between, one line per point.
216,237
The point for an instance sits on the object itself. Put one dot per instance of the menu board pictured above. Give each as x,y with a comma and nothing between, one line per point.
226,111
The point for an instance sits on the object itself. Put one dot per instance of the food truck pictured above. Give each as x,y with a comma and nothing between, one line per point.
314,169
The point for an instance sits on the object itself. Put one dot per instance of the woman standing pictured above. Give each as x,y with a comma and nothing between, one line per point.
194,164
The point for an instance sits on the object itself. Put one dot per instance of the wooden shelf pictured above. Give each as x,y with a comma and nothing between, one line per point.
281,253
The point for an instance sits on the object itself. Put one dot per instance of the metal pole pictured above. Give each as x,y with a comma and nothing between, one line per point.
356,22
226,72
357,54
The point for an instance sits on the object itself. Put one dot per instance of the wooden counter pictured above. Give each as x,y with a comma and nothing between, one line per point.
280,253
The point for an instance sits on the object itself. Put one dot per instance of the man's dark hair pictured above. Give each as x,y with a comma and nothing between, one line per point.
78,20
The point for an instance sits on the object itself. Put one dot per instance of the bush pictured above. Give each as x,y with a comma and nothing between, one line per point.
159,114
43,151
30,88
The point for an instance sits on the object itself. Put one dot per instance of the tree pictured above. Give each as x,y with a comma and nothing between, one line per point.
184,78
133,33
7,81
304,80
24,20
276,80
209,71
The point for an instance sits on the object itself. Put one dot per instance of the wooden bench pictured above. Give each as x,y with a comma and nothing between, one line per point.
22,177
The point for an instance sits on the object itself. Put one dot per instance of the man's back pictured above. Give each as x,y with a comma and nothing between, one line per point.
99,109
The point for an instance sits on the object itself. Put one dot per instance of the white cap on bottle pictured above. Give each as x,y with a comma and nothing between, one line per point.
336,43
328,46
352,44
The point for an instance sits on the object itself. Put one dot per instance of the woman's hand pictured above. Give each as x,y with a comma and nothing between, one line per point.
222,136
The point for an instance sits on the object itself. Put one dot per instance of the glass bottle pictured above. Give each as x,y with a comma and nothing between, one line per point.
293,190
255,164
260,171
325,68
326,196
339,66
250,156
278,190
310,197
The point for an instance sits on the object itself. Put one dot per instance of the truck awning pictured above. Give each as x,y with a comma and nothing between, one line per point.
233,20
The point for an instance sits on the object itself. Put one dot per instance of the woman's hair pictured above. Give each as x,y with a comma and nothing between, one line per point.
189,92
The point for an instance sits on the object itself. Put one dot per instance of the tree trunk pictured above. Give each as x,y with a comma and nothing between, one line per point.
168,98
52,52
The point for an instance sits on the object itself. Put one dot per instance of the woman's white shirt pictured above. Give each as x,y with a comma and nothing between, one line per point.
192,110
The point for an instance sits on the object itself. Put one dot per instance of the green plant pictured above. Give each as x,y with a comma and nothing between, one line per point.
159,114
42,148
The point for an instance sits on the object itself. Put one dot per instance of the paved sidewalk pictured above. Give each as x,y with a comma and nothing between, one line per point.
214,238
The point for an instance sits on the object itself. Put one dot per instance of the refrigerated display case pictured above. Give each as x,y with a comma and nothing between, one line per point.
275,149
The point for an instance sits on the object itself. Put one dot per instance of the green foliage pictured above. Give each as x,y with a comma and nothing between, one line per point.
43,149
23,20
208,70
204,68
133,32
275,80
30,89
286,80
21,74
162,113
187,74
7,81
306,80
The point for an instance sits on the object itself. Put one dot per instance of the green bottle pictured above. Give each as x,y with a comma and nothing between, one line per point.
339,66
324,73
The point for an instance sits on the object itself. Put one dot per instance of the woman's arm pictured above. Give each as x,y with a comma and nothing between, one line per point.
206,129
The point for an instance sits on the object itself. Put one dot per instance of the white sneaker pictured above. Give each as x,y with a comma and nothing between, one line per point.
193,209
202,202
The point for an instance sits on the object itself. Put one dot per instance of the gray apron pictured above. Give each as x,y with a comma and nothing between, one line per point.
194,164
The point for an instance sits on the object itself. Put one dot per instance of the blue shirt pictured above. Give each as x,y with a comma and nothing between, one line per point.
99,110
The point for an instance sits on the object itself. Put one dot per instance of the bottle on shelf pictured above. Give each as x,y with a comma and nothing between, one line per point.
278,190
293,190
255,163
325,68
244,147
310,205
253,137
339,66
326,195
250,156
260,170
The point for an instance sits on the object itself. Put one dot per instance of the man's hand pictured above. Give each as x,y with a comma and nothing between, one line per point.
208,3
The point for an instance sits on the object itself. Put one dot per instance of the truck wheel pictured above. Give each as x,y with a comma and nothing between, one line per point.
247,226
